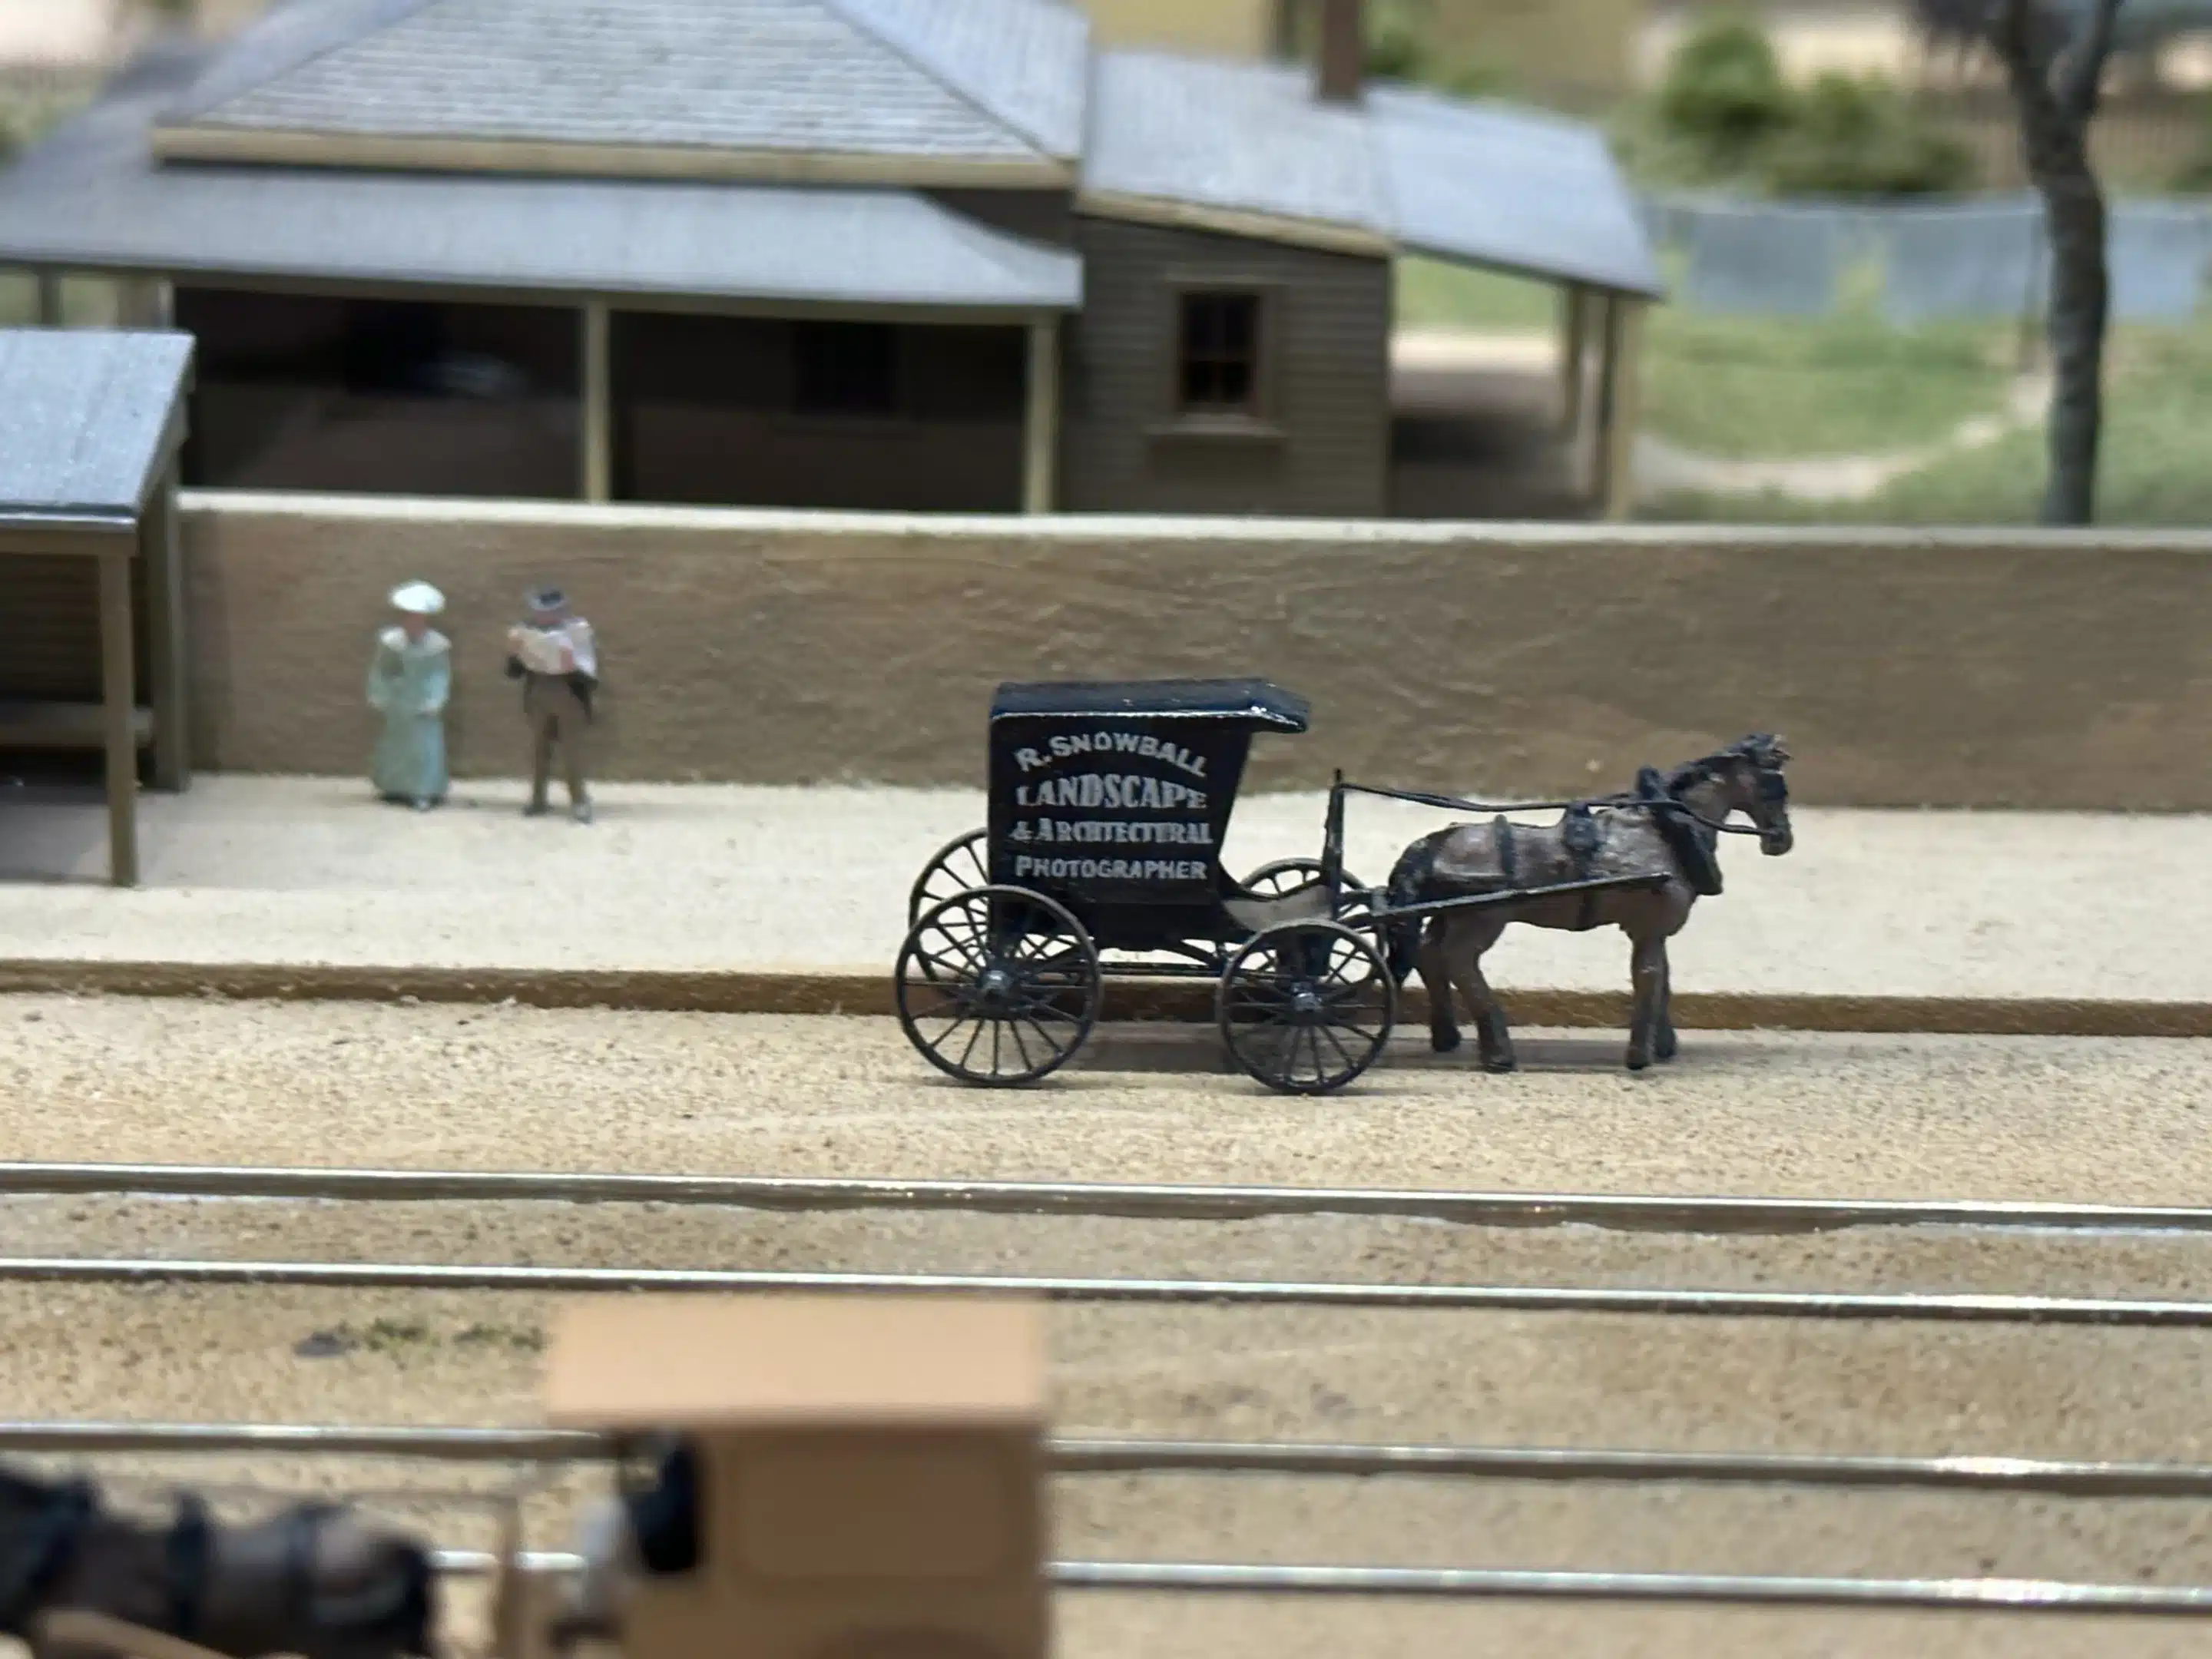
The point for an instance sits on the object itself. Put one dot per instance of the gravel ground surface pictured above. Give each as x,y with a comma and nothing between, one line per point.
518,1088
676,877
199,1081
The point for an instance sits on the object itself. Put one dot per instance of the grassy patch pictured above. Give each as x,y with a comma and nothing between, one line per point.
1745,388
2158,404
1435,295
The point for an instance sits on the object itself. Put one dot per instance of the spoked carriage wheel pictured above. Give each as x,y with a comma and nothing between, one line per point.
1288,875
962,864
1306,1008
997,985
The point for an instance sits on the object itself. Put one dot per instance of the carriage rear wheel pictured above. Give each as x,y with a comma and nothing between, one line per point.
1288,875
998,986
961,864
1306,1008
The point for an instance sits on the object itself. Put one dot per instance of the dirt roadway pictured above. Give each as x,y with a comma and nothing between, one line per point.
115,1079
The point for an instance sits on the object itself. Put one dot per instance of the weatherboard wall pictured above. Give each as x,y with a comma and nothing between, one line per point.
1328,344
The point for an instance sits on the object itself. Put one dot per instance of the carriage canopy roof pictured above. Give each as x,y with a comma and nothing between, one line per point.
1250,704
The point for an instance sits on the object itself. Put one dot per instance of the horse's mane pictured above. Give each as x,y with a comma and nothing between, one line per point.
1755,749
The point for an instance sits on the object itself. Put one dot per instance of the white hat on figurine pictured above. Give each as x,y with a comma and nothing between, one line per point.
417,599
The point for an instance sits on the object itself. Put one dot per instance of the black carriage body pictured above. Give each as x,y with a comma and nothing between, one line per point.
1113,798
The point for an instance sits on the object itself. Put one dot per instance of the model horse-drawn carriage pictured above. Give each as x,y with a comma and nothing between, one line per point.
1110,804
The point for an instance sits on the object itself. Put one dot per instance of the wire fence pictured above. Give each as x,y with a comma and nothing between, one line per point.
1978,259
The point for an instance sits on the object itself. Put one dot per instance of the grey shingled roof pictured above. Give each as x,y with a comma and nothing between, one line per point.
790,77
86,419
1025,62
92,197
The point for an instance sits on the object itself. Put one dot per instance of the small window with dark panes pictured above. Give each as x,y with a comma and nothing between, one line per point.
1219,355
846,368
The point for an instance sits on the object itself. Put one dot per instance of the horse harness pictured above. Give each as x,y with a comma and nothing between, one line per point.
1680,827
54,1537
1580,835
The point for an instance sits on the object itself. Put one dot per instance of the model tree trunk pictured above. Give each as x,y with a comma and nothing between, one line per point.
2055,91
2054,56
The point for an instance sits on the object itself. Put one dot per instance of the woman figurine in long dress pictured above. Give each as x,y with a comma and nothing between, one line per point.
408,682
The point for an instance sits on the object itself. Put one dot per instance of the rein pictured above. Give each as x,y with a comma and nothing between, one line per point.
1615,803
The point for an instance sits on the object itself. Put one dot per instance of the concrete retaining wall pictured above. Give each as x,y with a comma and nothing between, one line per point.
1904,668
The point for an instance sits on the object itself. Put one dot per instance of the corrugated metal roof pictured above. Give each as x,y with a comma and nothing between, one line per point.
1483,183
788,77
92,197
1237,137
84,419
1512,188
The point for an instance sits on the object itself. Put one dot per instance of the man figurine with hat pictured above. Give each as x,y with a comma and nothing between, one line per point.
554,657
410,679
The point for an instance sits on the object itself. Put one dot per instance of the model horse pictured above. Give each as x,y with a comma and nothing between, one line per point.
317,1581
1669,829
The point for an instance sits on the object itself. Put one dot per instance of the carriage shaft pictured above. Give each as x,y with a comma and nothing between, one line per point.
1383,912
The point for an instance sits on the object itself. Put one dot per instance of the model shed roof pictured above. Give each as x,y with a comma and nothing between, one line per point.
87,421
92,196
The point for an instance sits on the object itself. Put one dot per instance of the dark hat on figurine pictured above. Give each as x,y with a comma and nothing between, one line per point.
546,599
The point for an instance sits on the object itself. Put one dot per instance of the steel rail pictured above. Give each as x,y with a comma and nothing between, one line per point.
1231,1293
1994,1595
2024,1595
1628,1211
1093,1455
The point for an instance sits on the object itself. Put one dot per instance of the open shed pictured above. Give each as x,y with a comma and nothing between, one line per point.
91,577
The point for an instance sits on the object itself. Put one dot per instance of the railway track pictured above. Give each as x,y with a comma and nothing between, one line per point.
1964,1306
1082,1456
1626,1211
1718,1215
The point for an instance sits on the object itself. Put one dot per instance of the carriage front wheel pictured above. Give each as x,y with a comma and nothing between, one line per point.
1306,1007
997,985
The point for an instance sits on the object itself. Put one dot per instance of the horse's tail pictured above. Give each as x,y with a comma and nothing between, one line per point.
1409,881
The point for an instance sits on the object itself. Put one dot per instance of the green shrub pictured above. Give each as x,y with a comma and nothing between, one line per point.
1723,93
1858,138
1724,115
1400,36
2195,173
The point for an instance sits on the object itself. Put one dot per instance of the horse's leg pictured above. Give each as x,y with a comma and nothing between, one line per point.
1493,1038
1663,1045
1648,973
1437,980
1491,1031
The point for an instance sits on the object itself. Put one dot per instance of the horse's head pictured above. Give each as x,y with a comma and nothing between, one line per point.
1758,789
1745,777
